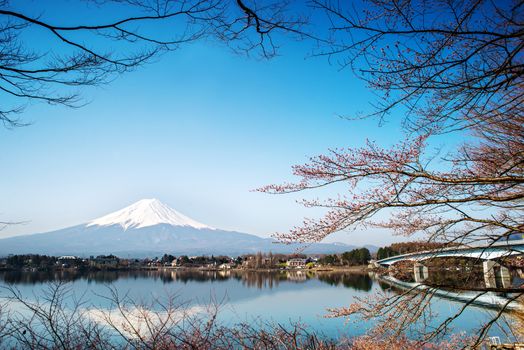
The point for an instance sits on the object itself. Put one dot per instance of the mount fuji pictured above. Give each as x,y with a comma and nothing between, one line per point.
148,228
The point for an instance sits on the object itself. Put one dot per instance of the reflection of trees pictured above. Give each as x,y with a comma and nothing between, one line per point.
104,276
184,276
196,276
34,277
257,279
457,278
250,279
353,281
262,279
25,277
389,287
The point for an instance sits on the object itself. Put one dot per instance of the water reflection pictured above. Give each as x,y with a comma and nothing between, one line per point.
471,277
361,282
487,283
276,296
491,300
250,279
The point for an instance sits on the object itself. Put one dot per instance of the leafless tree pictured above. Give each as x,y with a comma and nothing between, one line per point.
61,320
446,67
119,36
54,320
452,65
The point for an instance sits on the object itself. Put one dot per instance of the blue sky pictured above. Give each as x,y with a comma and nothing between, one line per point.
199,129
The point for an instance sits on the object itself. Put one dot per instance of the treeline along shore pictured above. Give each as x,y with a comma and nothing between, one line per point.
258,261
356,259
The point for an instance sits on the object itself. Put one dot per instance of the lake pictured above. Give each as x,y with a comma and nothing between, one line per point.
278,296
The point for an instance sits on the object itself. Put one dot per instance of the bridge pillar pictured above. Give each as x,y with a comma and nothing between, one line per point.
421,272
495,275
373,264
505,277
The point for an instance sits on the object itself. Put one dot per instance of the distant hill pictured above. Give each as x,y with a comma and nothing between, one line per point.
149,228
372,248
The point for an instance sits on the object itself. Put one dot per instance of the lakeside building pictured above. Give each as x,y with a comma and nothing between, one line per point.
68,258
297,263
226,266
67,261
104,261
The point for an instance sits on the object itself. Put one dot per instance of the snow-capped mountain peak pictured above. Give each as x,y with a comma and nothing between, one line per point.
147,212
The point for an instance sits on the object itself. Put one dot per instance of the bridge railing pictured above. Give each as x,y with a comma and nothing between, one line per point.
486,252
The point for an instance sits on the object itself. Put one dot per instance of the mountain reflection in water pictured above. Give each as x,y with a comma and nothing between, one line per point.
267,296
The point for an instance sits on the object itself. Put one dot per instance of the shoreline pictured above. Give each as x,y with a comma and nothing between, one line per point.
335,269
359,268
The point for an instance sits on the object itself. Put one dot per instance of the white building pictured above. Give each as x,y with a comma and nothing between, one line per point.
297,263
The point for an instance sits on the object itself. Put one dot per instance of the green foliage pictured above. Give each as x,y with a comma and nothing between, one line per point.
386,252
167,258
356,257
31,261
407,247
329,259
184,259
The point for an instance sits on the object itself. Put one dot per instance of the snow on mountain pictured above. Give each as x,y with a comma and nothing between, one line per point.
150,228
147,212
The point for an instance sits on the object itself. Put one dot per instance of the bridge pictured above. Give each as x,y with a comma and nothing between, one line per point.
488,252
495,275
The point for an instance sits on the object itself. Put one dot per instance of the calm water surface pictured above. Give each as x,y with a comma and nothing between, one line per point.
282,297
